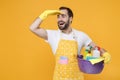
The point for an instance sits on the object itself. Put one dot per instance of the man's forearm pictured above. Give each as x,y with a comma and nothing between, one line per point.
36,24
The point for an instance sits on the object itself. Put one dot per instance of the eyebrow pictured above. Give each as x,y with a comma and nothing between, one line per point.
61,14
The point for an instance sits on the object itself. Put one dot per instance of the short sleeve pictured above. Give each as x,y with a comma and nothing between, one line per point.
87,40
49,32
52,39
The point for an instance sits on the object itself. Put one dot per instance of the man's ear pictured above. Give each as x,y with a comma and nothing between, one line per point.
71,18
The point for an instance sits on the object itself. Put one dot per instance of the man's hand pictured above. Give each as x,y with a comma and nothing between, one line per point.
107,57
49,12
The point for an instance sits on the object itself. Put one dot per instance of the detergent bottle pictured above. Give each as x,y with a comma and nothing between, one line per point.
96,52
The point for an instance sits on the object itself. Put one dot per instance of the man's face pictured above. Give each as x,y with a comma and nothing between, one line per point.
63,20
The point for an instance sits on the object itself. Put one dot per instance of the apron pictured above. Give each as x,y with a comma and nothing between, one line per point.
66,67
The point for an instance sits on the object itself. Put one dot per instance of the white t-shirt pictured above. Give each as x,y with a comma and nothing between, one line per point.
55,35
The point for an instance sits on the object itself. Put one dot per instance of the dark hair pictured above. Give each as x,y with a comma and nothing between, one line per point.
70,13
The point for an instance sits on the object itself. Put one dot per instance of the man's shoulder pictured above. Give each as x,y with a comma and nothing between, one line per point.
52,32
78,32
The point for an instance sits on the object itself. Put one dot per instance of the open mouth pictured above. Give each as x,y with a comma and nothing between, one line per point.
61,23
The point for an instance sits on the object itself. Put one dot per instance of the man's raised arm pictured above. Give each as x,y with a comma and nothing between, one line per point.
35,26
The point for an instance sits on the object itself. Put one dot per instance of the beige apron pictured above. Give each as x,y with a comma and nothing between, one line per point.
66,61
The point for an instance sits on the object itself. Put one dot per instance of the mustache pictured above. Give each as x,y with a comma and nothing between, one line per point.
61,21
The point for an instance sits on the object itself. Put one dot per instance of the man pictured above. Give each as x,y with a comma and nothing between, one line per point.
66,43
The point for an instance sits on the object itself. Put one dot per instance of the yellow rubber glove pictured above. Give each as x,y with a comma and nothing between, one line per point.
106,57
49,12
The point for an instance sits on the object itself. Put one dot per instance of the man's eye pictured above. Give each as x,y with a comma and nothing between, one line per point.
58,16
63,15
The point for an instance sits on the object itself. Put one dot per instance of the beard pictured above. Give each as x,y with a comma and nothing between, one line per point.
66,25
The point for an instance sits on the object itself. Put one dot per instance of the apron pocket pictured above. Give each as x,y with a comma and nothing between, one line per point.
63,60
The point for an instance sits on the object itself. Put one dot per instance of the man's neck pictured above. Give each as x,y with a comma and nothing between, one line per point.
67,31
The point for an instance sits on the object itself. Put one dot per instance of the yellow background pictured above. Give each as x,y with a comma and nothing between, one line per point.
24,56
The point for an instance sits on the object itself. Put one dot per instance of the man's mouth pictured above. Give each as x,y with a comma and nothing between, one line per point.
61,23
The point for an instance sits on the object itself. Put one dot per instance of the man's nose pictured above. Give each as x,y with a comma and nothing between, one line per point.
60,18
